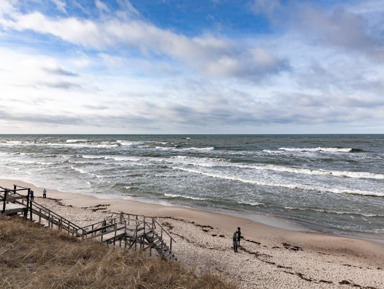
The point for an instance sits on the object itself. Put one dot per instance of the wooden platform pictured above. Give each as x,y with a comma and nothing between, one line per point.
123,230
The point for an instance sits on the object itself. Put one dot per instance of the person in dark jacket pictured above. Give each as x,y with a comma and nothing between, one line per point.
238,236
234,239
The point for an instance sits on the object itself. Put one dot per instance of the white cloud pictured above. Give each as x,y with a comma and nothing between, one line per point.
220,57
102,7
122,74
60,5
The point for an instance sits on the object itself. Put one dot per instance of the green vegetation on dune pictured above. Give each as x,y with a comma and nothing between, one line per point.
35,257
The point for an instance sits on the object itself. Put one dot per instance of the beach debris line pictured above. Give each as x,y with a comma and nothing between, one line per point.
123,230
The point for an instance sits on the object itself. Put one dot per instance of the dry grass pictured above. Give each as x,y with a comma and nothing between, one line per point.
35,257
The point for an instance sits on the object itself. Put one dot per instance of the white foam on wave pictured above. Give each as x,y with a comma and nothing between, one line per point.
342,174
92,157
212,162
184,197
273,152
332,212
105,145
294,186
79,170
199,159
76,140
318,149
249,203
130,143
15,143
199,149
191,149
123,158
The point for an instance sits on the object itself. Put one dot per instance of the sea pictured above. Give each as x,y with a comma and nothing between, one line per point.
323,183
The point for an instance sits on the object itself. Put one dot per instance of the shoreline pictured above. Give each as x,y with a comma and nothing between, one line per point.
269,257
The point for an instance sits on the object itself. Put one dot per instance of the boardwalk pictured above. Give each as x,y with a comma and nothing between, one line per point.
123,230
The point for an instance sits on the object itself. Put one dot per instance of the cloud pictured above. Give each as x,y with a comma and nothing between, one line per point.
60,84
212,56
60,71
60,5
108,69
39,118
268,7
340,28
102,7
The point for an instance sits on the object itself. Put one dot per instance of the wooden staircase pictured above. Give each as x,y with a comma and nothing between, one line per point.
123,230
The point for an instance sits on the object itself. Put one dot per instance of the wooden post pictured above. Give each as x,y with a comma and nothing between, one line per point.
30,207
114,240
26,211
5,200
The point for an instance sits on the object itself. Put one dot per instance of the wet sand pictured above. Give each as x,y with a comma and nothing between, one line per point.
269,257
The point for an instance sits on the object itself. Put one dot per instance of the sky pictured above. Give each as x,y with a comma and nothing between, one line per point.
191,67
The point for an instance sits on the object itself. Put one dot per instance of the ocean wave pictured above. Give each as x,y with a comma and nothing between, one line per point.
104,145
274,152
92,157
189,149
341,174
184,197
199,149
249,203
318,149
76,140
292,186
212,162
79,170
11,143
123,158
333,212
130,143
199,159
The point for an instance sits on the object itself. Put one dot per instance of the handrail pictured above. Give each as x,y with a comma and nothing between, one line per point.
164,230
55,215
141,223
38,209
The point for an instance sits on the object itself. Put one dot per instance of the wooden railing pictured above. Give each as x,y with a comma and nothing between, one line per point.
127,229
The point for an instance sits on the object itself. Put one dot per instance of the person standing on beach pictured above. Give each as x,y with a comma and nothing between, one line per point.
44,193
32,197
238,235
234,238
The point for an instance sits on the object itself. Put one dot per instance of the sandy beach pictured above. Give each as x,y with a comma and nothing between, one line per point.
269,257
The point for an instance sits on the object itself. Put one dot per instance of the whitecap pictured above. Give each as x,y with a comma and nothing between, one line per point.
318,149
184,197
76,140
